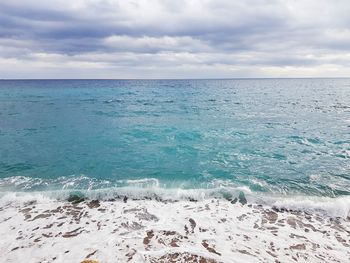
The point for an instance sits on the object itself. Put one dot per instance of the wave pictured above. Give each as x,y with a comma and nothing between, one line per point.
151,188
24,183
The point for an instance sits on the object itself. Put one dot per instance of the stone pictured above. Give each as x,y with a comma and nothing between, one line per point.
242,199
234,200
89,261
93,204
75,198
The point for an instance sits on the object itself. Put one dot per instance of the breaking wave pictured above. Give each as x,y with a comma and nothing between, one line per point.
24,189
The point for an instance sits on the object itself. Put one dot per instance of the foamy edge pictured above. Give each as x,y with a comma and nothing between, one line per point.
332,207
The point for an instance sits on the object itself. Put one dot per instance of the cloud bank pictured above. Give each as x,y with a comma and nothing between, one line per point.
174,39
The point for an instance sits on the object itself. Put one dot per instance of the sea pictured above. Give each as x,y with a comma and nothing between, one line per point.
270,139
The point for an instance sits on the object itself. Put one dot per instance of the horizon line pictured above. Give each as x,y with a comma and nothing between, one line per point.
234,78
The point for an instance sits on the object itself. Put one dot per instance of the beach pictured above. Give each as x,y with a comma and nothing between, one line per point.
227,170
126,230
195,131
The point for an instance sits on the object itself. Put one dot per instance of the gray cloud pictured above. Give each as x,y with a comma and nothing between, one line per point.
154,38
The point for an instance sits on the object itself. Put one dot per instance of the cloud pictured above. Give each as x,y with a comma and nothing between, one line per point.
182,39
146,44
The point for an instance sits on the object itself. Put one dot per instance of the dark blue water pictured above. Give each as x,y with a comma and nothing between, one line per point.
289,136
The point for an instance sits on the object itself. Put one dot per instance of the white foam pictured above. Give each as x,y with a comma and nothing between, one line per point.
145,230
152,188
333,207
11,198
144,182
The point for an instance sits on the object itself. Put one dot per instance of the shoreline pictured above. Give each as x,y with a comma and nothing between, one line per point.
323,205
210,230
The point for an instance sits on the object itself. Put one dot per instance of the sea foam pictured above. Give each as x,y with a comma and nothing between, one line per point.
36,228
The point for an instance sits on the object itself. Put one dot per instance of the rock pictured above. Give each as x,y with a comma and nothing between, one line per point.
298,247
242,199
227,196
210,249
76,198
93,204
147,239
271,216
89,261
193,224
234,200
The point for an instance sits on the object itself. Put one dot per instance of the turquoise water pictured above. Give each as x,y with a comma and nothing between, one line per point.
285,136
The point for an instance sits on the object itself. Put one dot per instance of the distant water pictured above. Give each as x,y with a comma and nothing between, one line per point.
267,136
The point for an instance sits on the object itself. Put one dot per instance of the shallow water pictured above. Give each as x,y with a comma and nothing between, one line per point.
267,136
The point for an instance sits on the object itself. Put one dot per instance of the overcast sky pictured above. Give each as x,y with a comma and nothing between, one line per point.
174,38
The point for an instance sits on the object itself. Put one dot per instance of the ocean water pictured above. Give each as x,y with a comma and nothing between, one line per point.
269,137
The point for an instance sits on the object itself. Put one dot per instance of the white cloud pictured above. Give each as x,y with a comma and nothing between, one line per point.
155,44
193,38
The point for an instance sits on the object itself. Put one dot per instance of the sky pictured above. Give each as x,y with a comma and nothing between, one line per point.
174,38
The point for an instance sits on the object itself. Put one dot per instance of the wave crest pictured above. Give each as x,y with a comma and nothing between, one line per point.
24,189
